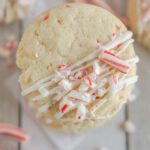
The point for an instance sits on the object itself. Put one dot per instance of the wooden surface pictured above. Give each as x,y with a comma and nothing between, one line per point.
109,136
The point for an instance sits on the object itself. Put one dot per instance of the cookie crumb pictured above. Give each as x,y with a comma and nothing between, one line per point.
128,127
36,55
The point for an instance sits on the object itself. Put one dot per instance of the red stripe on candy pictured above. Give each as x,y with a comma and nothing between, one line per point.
117,64
110,53
89,80
64,108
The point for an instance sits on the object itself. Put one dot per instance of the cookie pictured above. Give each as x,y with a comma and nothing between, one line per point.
139,18
11,10
78,66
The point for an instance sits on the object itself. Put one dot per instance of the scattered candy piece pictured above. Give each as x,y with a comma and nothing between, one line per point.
62,67
14,132
4,52
113,84
81,112
65,84
128,127
96,67
65,106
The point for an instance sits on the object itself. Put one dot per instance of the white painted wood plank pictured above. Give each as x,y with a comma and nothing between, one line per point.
8,103
139,111
109,136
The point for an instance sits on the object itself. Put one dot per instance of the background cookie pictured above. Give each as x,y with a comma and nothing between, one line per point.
139,17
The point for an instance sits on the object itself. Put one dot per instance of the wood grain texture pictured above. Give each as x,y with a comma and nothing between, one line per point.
139,111
8,104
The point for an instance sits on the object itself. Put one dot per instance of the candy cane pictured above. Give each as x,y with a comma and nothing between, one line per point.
4,52
114,61
14,132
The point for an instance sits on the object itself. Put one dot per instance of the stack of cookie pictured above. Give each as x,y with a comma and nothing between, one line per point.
78,66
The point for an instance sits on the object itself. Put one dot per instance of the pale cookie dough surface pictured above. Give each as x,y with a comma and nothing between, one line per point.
141,29
64,35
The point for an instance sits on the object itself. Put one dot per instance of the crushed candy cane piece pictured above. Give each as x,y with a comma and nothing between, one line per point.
83,96
115,62
89,81
96,67
101,92
63,109
78,75
81,112
43,91
62,67
65,106
66,84
113,84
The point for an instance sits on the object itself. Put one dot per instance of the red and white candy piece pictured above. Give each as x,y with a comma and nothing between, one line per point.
83,96
62,67
96,67
114,61
65,84
113,84
81,112
65,106
14,132
4,52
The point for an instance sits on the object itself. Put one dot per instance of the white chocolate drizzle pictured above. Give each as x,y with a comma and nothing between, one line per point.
76,87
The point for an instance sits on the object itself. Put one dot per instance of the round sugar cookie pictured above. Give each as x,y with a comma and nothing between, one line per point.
78,66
